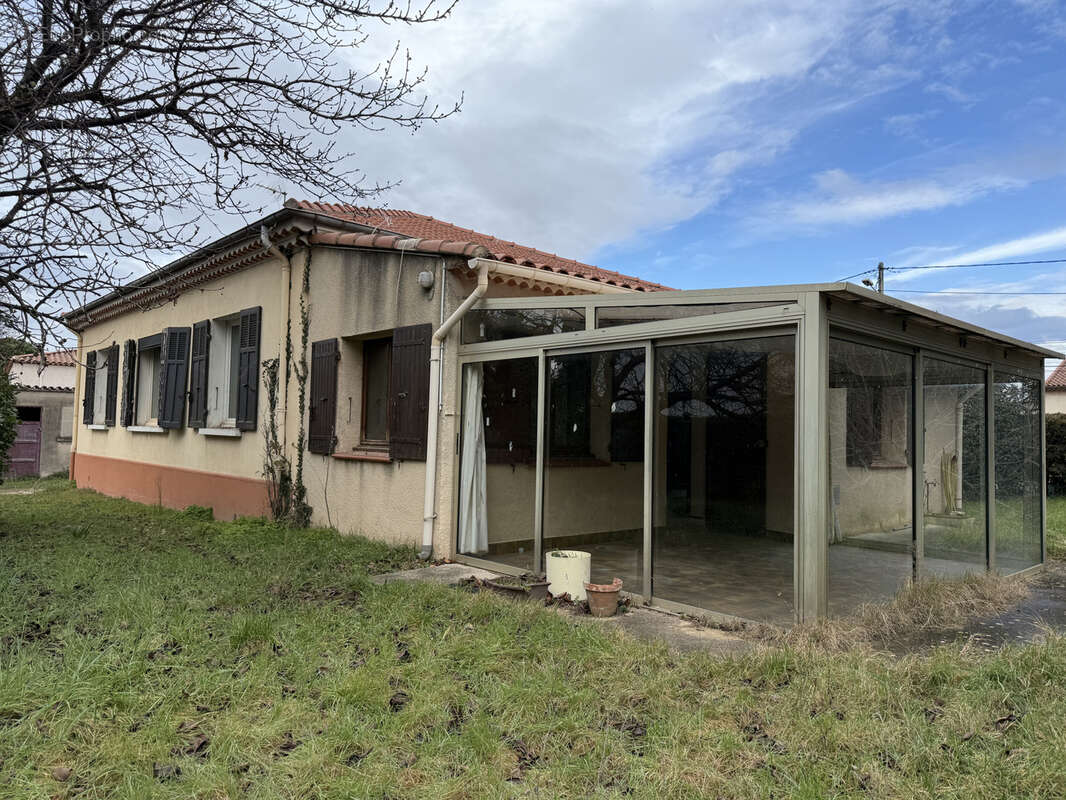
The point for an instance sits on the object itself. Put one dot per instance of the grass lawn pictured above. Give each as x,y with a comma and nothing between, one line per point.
159,654
1056,527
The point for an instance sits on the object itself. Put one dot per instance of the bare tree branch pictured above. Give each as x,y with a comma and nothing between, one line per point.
123,122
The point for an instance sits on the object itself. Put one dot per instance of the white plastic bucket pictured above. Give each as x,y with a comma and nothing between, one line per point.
568,571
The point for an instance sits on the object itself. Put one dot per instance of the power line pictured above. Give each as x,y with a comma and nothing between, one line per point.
954,291
960,266
984,264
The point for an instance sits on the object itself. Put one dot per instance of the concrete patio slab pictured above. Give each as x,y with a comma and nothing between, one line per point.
675,631
448,574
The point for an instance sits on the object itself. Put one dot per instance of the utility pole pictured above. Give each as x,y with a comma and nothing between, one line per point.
881,277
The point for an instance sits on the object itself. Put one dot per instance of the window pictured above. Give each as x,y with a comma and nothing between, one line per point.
377,357
224,372
147,403
369,397
100,387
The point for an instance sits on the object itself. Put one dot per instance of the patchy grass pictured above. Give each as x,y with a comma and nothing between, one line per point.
932,604
1056,527
146,653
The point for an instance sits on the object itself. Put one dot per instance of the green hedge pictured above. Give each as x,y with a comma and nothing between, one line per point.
1056,454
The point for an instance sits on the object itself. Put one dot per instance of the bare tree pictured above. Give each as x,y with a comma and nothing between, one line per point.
124,122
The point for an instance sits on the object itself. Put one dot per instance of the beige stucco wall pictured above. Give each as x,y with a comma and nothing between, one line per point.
1055,402
874,499
360,294
357,294
352,294
259,285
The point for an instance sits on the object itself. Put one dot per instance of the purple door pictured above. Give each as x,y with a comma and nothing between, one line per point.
26,452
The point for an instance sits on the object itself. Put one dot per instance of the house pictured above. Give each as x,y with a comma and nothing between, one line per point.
1056,390
45,405
771,453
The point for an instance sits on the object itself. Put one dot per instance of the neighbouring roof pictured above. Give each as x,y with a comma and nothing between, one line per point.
420,226
22,388
59,358
1056,381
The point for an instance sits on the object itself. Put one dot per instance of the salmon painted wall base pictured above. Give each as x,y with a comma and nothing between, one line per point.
230,496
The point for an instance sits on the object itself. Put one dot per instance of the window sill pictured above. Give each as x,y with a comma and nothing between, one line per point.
380,456
95,427
226,433
146,429
887,465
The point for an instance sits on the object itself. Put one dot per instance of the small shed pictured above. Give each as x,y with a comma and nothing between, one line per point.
774,453
45,405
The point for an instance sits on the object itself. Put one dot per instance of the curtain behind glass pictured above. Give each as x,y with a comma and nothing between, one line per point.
473,519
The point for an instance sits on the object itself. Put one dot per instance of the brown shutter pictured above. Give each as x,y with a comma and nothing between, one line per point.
201,345
248,369
90,389
129,391
111,398
509,406
322,403
173,369
409,392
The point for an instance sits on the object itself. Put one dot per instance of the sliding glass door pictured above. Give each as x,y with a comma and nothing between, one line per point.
724,426
594,460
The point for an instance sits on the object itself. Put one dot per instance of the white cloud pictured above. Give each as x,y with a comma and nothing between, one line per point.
838,198
1013,249
952,93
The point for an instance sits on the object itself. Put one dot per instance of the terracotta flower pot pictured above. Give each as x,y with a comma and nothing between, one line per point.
603,597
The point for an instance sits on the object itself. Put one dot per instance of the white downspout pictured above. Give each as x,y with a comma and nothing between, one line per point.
429,513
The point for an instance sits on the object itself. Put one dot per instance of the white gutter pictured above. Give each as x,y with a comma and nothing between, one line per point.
436,345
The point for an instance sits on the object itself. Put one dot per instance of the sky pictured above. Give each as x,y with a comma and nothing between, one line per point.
716,144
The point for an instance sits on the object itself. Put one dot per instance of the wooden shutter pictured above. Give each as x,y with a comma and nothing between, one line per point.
248,369
111,398
509,409
322,403
129,375
409,392
201,345
173,370
90,389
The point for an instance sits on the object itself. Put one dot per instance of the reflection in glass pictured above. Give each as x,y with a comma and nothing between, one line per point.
611,316
1019,487
497,482
955,468
724,456
594,470
870,422
491,325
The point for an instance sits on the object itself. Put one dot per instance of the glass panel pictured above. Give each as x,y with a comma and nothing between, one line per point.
871,540
377,357
498,462
1019,492
724,458
594,471
611,316
492,325
955,468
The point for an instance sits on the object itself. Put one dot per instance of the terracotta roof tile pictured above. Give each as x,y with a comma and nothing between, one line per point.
1056,381
59,358
411,224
